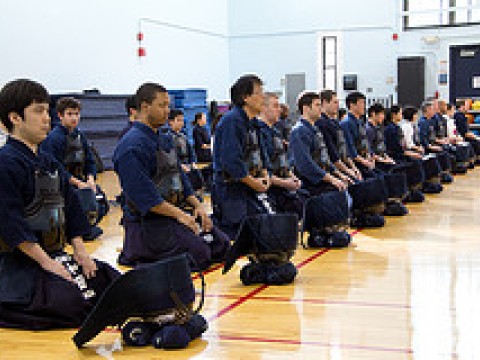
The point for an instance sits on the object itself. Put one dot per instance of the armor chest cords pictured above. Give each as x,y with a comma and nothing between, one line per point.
362,140
45,215
75,156
252,155
320,152
342,145
167,178
432,134
379,142
182,149
279,158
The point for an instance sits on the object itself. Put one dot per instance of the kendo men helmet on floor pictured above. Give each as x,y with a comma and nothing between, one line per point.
153,304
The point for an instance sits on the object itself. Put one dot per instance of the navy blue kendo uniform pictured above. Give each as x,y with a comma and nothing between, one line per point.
356,137
267,238
368,195
283,200
125,129
233,200
395,144
186,156
428,136
202,137
329,207
38,205
284,127
146,163
461,122
394,174
72,150
459,153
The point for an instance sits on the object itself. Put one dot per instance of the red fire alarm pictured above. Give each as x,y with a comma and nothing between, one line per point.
395,37
140,36
141,52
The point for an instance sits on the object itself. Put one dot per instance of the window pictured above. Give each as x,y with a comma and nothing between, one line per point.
438,13
329,52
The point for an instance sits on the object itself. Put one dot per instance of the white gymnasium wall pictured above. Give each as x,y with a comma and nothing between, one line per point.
277,37
72,45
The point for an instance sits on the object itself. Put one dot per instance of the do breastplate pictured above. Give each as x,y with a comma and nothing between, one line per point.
182,148
45,215
432,134
342,145
279,158
362,141
252,154
320,152
379,143
75,156
167,178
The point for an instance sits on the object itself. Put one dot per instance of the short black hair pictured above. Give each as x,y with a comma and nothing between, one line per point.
147,93
65,103
17,95
449,106
174,113
306,99
242,88
130,103
353,98
197,117
376,108
395,109
341,112
409,112
327,95
460,103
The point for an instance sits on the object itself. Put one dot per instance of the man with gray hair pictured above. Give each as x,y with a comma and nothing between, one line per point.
428,139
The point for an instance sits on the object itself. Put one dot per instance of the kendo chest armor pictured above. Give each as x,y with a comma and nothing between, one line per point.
252,155
362,141
45,215
182,147
167,178
401,138
279,158
287,129
320,152
432,134
416,134
379,142
442,128
342,145
75,156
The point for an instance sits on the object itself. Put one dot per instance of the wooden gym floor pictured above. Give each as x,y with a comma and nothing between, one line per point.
408,291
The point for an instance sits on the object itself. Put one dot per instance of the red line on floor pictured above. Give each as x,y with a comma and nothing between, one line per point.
208,271
258,290
239,302
315,343
313,301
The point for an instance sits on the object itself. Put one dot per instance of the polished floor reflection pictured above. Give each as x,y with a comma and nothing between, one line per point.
408,291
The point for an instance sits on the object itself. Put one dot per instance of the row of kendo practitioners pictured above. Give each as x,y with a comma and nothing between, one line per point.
332,176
